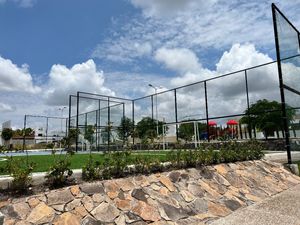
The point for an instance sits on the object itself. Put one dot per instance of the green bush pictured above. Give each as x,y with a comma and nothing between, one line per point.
117,164
60,173
91,171
20,172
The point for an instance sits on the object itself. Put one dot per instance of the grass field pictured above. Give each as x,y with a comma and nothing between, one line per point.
43,162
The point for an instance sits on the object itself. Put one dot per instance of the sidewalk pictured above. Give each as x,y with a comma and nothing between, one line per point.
281,209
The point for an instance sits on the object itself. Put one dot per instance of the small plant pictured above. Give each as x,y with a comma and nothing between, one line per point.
91,171
116,164
142,164
20,172
59,174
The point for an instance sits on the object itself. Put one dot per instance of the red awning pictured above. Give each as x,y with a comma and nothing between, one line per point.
232,122
212,123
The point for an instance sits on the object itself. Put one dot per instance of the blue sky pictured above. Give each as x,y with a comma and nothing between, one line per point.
52,48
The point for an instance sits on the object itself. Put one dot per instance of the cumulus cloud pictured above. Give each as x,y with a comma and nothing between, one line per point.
240,57
178,59
64,81
227,95
15,78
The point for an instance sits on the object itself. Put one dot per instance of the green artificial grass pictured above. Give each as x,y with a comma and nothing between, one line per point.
44,162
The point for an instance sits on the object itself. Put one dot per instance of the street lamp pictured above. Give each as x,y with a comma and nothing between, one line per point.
155,88
62,112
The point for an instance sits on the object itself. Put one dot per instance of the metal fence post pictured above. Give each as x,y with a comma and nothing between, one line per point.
283,106
133,122
206,109
77,122
248,104
176,117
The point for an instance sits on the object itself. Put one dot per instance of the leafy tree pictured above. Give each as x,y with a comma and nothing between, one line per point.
7,134
266,116
186,130
20,132
89,133
126,128
71,138
106,134
146,128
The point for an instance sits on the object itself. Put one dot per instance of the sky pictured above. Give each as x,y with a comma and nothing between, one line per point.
50,49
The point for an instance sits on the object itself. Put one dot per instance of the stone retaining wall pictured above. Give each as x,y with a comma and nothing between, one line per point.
192,196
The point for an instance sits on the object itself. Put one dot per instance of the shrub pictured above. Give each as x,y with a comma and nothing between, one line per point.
20,172
91,171
59,174
115,164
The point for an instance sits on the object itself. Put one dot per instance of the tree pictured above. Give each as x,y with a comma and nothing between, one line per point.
89,133
106,133
7,134
266,116
71,138
20,132
186,130
146,128
125,129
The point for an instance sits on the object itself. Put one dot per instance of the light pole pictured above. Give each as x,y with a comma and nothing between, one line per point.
155,88
62,113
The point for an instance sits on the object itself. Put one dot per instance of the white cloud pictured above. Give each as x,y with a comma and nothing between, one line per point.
80,77
178,59
166,8
205,25
6,108
240,57
227,95
15,78
21,3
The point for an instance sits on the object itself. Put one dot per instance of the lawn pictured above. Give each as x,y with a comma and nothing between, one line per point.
43,162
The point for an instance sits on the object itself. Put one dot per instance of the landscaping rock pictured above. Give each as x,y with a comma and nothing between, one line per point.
105,212
198,206
190,196
124,205
139,194
92,188
232,204
98,198
125,184
72,205
167,182
187,196
22,209
174,213
146,212
67,219
90,221
33,202
75,190
88,203
217,209
41,214
60,197
174,176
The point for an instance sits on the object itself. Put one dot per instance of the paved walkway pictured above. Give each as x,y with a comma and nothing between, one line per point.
282,209
282,156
